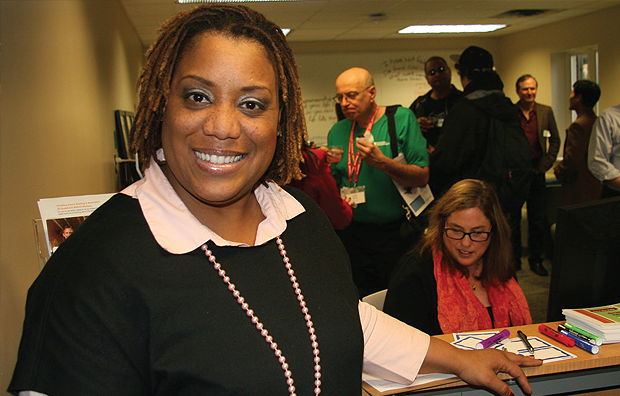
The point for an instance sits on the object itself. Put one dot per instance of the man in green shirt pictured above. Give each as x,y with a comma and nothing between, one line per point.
367,173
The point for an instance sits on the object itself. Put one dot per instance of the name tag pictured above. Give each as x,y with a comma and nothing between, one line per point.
357,194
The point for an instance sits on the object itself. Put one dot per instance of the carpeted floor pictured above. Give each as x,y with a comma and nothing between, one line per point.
536,290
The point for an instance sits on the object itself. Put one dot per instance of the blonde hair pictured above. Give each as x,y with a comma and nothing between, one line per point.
176,35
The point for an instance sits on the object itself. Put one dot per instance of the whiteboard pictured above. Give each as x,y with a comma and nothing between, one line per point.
399,79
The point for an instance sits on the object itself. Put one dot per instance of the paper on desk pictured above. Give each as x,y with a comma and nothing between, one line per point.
384,385
542,349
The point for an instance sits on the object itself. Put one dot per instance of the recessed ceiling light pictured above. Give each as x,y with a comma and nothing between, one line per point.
420,29
523,13
230,1
285,31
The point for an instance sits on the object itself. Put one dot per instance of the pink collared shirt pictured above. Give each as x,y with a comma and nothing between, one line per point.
392,349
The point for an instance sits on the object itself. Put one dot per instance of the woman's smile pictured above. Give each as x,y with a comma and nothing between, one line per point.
218,159
220,123
466,251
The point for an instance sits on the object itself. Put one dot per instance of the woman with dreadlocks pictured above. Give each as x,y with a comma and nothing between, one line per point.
206,277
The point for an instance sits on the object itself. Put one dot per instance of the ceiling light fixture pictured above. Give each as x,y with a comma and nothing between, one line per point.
421,29
230,1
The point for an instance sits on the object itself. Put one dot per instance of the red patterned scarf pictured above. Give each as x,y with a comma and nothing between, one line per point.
459,310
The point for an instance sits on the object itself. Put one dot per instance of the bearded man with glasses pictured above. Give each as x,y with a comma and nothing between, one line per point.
367,172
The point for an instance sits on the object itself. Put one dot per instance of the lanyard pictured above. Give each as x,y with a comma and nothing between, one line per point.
354,162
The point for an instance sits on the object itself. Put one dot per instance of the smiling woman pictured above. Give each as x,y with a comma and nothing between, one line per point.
179,35
461,275
206,277
219,131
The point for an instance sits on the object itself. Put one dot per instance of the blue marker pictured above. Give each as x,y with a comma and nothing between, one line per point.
594,341
593,349
597,340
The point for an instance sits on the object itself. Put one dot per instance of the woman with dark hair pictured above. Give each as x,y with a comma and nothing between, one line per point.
579,184
460,278
206,277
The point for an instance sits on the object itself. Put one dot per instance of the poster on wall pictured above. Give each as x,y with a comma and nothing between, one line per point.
62,216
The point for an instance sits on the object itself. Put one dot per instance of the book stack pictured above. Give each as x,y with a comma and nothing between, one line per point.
603,322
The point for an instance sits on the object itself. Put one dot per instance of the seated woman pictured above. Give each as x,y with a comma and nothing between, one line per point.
460,276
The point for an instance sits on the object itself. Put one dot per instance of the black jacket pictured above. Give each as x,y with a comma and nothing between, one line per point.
462,145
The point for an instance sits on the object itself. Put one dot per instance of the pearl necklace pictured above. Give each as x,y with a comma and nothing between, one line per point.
263,331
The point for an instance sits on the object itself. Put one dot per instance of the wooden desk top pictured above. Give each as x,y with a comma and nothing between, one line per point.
609,355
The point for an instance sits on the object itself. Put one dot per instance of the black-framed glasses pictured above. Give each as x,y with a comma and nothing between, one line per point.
440,69
349,96
475,236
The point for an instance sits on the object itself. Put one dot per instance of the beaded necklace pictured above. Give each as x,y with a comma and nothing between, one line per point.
261,328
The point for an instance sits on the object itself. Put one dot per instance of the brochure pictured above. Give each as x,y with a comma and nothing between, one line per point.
61,216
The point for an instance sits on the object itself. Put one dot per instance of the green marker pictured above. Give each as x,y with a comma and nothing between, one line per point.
595,339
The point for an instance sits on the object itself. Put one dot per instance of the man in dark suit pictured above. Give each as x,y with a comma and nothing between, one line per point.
542,133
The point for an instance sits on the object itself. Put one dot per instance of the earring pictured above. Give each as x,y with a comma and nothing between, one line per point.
159,155
279,133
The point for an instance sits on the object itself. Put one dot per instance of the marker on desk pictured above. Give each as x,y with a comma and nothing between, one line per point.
548,331
599,340
593,349
565,330
523,338
502,335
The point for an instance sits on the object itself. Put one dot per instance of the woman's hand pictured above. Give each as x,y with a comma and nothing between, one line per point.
479,368
486,363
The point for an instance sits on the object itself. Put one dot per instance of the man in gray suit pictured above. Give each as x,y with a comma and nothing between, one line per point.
541,130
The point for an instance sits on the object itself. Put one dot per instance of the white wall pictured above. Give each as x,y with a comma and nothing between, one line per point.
397,67
66,66
528,52
532,52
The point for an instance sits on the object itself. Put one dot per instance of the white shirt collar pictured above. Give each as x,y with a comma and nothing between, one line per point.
177,230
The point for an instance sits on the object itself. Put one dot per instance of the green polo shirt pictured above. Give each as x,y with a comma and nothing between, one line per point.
383,201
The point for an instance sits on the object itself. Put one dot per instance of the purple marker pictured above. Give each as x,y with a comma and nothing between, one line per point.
502,335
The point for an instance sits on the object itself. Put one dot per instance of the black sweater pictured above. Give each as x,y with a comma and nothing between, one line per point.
112,313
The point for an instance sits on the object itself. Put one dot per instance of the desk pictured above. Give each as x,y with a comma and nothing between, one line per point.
585,373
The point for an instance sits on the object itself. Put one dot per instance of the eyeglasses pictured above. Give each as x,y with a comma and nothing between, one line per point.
440,69
349,96
475,236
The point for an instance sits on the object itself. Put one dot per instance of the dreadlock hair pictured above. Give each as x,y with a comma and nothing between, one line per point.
471,193
162,57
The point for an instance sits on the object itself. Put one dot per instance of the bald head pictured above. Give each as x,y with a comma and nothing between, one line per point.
355,76
355,92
